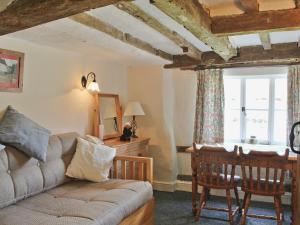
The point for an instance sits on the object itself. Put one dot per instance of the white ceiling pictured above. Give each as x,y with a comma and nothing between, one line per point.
72,36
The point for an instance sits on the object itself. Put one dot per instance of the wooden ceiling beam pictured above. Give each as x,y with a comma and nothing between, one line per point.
276,20
250,6
139,14
194,18
95,23
280,54
265,40
21,14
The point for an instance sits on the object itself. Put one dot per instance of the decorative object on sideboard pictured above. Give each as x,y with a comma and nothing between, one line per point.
127,133
11,71
134,109
92,86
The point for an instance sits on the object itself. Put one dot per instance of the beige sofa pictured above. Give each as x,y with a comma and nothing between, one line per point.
35,193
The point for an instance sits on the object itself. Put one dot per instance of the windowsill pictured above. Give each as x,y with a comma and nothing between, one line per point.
280,149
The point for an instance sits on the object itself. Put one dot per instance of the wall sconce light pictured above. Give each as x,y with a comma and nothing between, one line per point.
91,86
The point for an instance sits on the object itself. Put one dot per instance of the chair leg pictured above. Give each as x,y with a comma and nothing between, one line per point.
246,205
278,209
207,196
229,202
237,198
201,203
282,212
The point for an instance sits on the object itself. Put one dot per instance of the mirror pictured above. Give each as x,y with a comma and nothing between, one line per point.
108,116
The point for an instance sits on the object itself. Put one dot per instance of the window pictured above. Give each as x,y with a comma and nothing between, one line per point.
256,106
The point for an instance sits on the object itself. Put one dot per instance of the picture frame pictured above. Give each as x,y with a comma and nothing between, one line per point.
11,71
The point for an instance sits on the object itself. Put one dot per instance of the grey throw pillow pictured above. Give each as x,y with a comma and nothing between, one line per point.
18,131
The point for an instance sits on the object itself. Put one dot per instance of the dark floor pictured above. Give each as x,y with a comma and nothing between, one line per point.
175,209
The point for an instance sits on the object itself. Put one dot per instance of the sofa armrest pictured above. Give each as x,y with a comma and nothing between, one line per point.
132,168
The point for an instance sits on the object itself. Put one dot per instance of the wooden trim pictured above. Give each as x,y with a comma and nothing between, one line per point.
97,24
21,57
142,216
139,14
142,174
194,18
276,20
22,14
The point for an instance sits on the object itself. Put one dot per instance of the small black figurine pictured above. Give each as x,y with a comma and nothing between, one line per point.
127,133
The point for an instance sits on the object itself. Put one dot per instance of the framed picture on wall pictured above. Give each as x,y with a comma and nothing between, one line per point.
11,71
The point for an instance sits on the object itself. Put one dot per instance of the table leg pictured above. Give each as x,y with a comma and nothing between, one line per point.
194,191
293,196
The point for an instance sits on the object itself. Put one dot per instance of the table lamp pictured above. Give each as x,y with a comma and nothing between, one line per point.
134,109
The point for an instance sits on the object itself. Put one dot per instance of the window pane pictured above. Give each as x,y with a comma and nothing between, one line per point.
232,125
257,93
280,118
232,88
281,94
257,124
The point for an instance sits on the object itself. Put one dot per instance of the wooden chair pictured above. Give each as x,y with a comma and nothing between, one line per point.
211,161
267,185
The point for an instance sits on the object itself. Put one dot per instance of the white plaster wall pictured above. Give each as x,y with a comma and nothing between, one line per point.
153,87
52,94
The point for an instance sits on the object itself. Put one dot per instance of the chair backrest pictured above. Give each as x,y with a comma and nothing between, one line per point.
270,169
215,165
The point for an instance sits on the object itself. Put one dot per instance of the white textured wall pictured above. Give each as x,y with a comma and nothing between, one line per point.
168,97
52,93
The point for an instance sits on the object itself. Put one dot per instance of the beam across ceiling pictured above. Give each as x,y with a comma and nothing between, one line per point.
280,54
288,19
21,14
194,18
139,14
95,23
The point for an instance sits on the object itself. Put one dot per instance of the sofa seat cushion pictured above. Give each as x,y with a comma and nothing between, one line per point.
80,203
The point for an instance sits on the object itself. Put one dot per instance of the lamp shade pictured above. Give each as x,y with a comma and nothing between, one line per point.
134,109
93,87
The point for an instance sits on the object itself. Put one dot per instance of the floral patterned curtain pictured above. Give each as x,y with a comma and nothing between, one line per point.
209,118
293,96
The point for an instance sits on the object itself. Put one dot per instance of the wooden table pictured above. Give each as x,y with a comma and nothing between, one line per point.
134,147
292,167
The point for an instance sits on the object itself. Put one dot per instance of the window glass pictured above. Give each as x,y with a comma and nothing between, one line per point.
265,116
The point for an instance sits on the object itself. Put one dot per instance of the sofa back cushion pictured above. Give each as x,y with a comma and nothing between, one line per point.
22,176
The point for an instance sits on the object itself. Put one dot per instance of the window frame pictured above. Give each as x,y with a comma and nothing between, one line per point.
271,109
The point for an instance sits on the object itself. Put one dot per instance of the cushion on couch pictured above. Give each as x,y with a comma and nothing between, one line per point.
80,203
91,161
22,133
22,176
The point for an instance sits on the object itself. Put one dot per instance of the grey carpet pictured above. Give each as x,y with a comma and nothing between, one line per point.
175,209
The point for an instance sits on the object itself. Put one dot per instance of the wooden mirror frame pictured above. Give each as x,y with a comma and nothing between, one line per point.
97,116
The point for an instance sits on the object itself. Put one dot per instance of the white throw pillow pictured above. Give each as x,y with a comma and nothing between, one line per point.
91,161
93,139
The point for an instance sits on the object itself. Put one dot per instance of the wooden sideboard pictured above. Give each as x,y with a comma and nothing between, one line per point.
135,147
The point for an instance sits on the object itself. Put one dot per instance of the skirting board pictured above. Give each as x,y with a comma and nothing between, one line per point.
187,186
